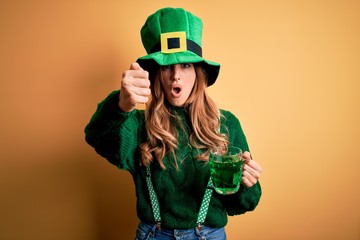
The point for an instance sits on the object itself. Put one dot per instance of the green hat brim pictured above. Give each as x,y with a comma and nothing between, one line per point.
212,68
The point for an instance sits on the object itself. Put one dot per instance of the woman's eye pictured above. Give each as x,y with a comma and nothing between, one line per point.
165,67
186,65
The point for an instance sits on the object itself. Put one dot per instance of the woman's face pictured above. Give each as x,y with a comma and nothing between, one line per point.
178,81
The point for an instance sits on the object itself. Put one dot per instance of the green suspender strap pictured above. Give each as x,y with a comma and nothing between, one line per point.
153,198
205,204
155,202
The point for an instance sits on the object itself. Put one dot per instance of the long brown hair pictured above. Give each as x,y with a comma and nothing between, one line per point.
162,124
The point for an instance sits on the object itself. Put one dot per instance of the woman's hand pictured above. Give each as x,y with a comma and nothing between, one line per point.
135,88
251,170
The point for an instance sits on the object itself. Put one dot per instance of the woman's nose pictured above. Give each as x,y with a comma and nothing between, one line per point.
176,72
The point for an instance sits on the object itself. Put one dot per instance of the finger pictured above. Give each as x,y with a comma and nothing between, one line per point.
141,91
135,66
133,76
248,179
246,156
246,182
254,165
136,99
141,82
140,73
134,94
137,86
253,172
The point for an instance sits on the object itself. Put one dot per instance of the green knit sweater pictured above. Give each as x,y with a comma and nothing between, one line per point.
116,135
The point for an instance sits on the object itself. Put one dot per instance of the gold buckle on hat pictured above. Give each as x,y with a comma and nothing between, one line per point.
173,42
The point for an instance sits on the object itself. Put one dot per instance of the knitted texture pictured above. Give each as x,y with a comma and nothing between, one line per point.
116,135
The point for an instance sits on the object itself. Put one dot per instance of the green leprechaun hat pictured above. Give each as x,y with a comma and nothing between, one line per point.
173,36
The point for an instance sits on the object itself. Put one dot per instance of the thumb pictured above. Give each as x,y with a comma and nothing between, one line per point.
246,156
135,66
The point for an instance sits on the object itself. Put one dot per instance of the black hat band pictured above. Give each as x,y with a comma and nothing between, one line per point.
175,44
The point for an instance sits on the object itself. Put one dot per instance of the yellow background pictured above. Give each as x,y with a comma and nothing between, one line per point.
290,72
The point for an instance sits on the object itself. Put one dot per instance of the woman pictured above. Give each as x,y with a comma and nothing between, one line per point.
166,146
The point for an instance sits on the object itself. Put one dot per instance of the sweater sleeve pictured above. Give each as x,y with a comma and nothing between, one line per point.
246,199
115,134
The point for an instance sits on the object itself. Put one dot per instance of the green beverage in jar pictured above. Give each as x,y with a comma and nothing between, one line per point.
226,169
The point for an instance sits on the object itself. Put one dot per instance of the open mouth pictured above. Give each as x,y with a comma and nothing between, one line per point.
176,90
